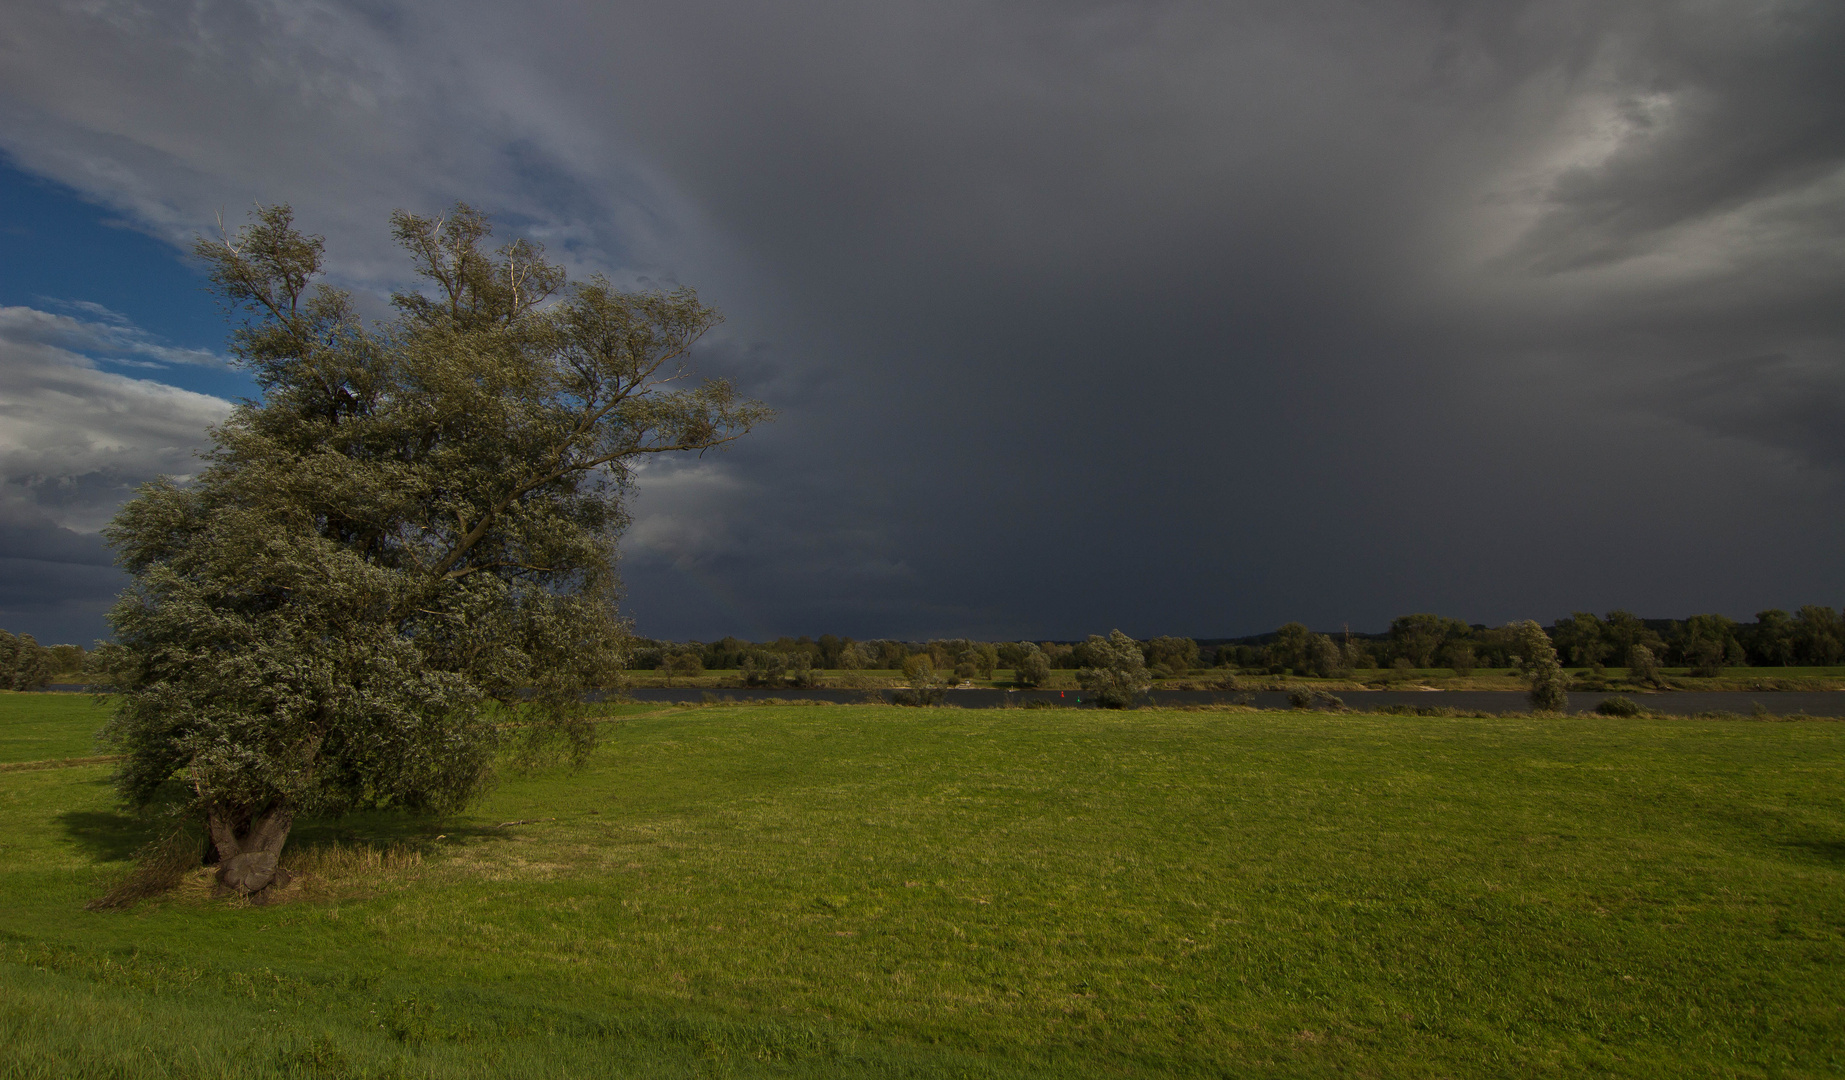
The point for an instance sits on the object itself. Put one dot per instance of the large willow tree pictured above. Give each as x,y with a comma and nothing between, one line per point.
416,519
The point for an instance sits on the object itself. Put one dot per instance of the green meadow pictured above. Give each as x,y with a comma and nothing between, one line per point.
866,891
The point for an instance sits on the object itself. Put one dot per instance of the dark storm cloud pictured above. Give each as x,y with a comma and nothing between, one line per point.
1731,104
1776,400
50,584
49,543
1150,306
1174,316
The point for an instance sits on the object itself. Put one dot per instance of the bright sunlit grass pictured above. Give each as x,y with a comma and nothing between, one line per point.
41,727
840,891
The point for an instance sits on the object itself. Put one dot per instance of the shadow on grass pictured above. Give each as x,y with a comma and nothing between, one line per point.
109,835
115,836
1830,850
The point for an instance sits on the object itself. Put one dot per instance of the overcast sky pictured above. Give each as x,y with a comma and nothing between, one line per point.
1178,317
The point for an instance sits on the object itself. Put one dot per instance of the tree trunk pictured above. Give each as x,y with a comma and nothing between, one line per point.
249,846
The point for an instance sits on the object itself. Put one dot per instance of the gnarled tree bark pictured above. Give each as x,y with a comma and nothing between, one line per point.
249,845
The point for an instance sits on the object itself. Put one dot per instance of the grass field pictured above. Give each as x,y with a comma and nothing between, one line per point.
873,891
42,727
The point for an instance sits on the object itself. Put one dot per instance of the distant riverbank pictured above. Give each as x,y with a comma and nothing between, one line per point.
1679,703
1829,704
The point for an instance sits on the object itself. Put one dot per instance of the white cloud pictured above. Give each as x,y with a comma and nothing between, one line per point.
180,114
75,440
104,335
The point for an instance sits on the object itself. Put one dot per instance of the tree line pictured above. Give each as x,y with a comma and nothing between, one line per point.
27,665
1813,636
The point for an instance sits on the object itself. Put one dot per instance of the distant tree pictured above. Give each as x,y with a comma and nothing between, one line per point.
1419,638
1175,655
1032,667
1773,640
24,663
1673,649
69,659
1118,675
769,668
852,656
919,669
1543,672
1583,639
1288,650
1460,657
1819,635
926,687
1356,655
1496,647
764,667
1081,656
1643,666
685,663
945,653
925,684
829,646
984,656
725,654
801,671
1706,643
790,648
891,654
1324,660
105,658
1623,630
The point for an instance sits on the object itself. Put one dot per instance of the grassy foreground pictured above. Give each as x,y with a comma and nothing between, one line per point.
873,891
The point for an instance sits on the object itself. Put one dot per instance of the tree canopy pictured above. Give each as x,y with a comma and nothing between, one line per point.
24,663
1118,675
417,518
